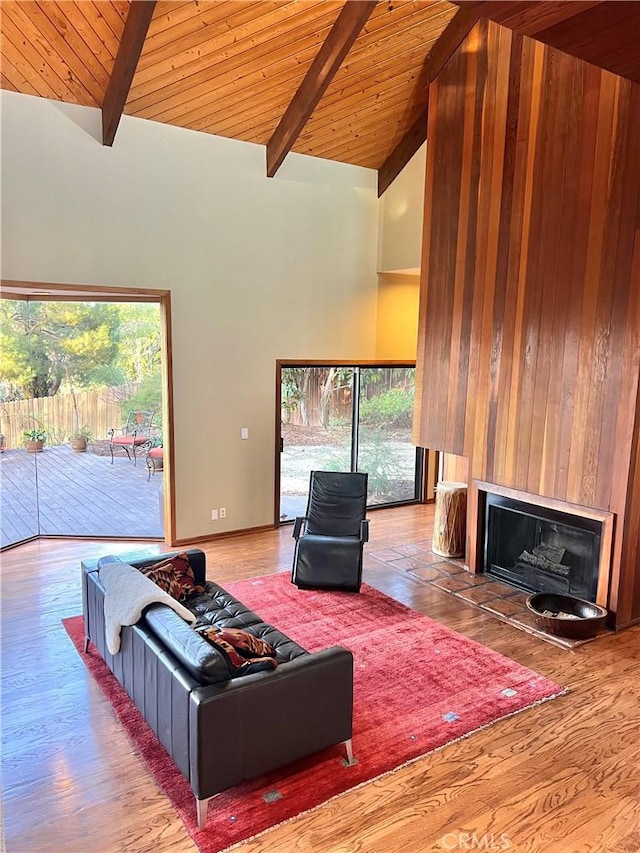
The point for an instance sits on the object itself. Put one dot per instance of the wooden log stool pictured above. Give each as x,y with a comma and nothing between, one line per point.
450,522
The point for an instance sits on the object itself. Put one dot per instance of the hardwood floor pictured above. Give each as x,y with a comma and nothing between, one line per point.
560,777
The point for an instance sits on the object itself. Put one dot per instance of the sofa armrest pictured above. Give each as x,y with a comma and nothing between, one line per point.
199,657
252,725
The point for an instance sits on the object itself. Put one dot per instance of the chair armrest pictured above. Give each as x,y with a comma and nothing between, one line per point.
297,527
120,430
364,530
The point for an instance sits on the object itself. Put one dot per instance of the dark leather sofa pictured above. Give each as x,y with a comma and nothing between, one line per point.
221,731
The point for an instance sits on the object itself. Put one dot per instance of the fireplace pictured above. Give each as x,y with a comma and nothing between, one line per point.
539,549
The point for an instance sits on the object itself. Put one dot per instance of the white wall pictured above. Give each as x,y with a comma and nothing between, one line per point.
400,220
397,326
259,269
399,257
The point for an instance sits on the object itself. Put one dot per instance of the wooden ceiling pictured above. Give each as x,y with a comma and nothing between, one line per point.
233,67
606,34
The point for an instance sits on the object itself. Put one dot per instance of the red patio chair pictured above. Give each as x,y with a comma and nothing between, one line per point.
154,457
133,434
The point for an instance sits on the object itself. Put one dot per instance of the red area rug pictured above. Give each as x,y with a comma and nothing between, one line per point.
418,686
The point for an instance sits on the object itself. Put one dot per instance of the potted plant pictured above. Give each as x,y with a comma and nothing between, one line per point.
79,439
34,439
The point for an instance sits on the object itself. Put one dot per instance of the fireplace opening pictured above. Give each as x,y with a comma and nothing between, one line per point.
541,550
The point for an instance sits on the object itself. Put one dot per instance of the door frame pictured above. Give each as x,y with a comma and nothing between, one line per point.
305,362
39,291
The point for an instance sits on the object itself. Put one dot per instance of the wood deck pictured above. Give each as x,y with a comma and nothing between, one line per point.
80,494
561,777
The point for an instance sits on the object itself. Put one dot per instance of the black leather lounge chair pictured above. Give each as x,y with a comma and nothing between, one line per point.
330,537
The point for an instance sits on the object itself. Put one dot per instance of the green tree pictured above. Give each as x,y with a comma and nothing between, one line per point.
139,349
46,344
148,398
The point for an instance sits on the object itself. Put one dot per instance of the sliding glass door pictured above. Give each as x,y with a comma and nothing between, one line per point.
348,418
384,434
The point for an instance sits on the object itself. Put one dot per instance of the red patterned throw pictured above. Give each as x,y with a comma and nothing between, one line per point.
174,576
243,652
418,687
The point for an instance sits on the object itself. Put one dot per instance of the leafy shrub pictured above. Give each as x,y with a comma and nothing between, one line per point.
82,433
148,398
393,408
383,461
55,435
338,422
34,435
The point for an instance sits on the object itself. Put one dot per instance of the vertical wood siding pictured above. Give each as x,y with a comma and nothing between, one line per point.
529,335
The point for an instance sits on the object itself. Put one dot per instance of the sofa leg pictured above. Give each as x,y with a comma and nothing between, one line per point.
201,808
85,648
348,745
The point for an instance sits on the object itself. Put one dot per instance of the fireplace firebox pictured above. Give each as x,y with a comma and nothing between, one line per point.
538,549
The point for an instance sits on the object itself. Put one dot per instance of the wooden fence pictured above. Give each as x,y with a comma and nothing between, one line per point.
312,406
98,410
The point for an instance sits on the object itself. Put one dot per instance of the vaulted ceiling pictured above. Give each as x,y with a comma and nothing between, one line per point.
342,79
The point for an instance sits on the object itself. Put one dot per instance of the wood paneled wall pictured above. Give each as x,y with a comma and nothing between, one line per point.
529,332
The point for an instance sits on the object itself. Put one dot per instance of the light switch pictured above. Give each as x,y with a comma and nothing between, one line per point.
244,432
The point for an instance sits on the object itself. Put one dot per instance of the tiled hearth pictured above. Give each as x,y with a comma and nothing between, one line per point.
449,575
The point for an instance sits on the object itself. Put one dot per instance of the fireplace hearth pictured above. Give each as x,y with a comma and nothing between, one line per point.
539,549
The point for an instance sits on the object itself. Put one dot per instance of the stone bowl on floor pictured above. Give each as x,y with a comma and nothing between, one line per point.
566,616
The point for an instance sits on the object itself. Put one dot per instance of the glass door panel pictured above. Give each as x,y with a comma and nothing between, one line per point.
18,499
71,372
117,371
356,418
316,434
385,448
18,472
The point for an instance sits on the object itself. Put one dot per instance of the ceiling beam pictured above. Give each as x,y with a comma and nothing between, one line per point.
344,32
129,50
449,41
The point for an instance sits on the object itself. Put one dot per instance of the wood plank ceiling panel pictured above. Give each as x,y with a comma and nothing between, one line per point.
262,115
233,63
169,13
240,56
6,83
606,33
376,35
231,67
378,92
14,80
533,17
61,50
243,82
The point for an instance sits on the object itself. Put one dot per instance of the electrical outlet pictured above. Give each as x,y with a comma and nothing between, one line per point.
244,432
214,515
223,512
